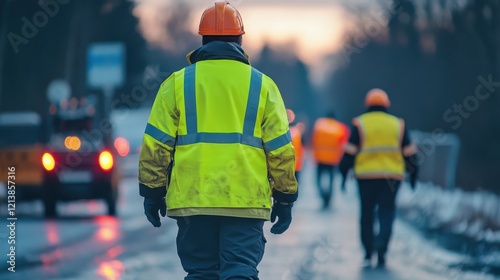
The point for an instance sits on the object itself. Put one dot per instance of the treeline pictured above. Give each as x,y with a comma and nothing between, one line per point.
47,40
42,41
441,68
439,62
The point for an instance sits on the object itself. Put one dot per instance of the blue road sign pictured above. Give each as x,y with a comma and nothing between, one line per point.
106,65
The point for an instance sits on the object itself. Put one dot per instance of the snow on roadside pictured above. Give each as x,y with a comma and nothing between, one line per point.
472,214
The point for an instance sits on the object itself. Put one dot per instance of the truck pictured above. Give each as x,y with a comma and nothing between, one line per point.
21,149
79,160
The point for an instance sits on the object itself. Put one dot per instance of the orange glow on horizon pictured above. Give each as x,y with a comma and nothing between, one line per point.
313,31
310,30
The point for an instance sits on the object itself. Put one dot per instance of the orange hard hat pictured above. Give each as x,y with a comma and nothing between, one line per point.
290,115
377,97
221,19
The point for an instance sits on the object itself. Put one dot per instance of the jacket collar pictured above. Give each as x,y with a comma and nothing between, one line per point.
218,50
376,109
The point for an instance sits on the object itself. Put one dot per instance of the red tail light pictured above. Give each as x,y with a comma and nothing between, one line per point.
106,160
122,146
48,162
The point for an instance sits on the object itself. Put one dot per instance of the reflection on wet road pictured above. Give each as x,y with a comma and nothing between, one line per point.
83,243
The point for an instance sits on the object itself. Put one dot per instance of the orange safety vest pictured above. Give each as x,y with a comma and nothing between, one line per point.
329,137
299,149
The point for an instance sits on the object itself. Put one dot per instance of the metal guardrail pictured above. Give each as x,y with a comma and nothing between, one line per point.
437,157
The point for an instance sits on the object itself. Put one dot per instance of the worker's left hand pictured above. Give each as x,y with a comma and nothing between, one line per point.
284,214
151,208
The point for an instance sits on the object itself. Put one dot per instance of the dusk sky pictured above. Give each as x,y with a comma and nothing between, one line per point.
310,28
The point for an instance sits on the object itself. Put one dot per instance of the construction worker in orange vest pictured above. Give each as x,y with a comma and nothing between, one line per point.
328,139
296,132
377,149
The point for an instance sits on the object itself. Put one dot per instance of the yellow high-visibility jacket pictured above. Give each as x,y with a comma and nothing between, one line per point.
380,156
227,124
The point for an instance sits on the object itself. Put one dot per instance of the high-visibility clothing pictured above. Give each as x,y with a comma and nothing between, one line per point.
380,155
228,125
299,149
329,137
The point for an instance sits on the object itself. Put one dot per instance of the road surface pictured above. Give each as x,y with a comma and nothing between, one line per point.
85,244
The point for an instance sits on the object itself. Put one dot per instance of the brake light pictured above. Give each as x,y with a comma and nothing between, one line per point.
106,160
122,146
48,162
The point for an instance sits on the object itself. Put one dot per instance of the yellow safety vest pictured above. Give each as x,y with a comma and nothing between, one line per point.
226,116
380,141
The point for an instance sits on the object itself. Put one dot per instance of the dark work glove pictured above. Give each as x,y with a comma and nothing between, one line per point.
413,180
151,208
284,213
412,168
346,164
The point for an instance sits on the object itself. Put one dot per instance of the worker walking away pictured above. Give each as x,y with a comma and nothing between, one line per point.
231,170
296,132
377,148
329,137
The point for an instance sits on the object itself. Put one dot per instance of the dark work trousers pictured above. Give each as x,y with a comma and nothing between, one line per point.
215,247
325,191
379,193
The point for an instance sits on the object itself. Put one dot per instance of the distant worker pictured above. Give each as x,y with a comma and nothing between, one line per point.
329,137
377,148
220,129
296,132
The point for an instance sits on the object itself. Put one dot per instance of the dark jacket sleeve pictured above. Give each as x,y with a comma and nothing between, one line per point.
347,161
410,157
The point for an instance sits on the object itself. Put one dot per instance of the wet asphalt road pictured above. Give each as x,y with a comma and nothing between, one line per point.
85,244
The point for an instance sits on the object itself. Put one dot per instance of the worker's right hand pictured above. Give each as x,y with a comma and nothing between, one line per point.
284,213
151,208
